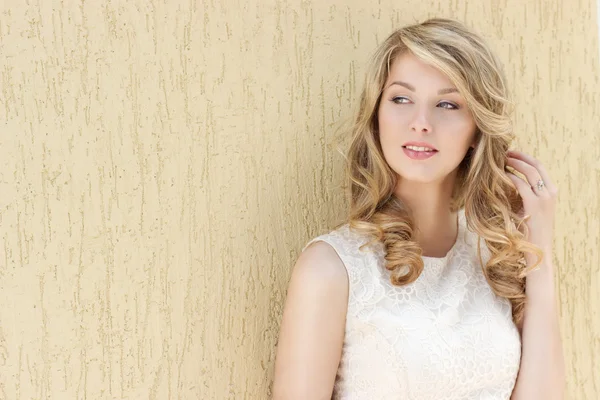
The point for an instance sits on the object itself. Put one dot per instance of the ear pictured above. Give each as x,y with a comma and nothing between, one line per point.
475,142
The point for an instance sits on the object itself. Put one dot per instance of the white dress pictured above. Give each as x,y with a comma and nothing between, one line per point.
444,336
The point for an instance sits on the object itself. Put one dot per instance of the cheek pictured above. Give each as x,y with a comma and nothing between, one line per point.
459,127
392,120
390,131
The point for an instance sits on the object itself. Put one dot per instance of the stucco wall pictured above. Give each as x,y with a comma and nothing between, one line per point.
163,162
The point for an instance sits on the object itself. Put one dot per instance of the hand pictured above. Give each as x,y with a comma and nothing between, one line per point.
538,203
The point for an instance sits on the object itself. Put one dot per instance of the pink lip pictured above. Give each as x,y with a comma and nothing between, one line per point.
418,155
419,144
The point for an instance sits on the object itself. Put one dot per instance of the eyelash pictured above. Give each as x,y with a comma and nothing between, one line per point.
443,102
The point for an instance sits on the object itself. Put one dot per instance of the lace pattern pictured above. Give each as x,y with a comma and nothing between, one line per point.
444,336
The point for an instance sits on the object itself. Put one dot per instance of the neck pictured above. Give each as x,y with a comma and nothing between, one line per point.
429,203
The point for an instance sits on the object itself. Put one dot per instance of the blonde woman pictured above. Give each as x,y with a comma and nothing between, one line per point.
440,283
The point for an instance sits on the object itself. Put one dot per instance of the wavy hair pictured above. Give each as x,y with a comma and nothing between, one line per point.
489,198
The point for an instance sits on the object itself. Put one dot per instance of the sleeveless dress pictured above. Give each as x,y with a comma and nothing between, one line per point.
444,336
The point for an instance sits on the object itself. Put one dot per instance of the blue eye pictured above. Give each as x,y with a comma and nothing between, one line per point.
399,98
452,106
444,104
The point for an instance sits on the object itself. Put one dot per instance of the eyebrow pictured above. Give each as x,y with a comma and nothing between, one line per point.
412,88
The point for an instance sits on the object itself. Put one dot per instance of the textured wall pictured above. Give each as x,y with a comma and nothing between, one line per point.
163,162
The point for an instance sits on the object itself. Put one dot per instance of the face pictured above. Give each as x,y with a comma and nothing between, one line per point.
420,104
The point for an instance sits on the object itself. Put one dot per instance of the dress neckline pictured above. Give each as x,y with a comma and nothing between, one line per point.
459,235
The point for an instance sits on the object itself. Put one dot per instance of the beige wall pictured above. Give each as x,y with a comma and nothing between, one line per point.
163,162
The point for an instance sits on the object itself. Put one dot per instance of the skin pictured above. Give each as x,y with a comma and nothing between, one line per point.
412,109
542,369
311,336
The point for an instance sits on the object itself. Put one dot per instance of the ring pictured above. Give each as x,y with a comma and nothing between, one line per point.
540,185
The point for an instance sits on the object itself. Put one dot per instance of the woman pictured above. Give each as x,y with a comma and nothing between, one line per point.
440,285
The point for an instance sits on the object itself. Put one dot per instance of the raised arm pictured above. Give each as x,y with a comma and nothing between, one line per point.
542,370
312,328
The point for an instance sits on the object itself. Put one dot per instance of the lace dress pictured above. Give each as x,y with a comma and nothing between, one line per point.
444,336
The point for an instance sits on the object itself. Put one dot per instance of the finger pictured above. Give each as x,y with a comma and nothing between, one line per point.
523,187
531,173
535,163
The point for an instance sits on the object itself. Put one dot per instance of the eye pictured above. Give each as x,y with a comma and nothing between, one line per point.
447,105
398,100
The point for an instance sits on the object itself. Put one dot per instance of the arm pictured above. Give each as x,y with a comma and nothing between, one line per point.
312,328
542,370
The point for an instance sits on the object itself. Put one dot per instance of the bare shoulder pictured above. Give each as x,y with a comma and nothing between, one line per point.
320,260
312,328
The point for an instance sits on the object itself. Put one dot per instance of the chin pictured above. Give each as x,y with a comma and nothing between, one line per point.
425,174
418,178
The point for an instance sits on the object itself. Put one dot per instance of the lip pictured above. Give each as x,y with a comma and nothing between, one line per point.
418,155
419,144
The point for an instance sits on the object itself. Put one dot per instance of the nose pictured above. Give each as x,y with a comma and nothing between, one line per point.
420,121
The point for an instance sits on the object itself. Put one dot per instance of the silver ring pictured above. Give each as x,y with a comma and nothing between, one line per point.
540,185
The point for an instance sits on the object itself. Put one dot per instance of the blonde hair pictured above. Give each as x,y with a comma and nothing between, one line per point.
488,196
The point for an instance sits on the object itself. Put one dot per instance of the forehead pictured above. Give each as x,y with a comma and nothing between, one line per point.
409,68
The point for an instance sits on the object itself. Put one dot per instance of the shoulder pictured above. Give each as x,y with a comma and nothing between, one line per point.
312,328
325,260
345,240
320,263
341,254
